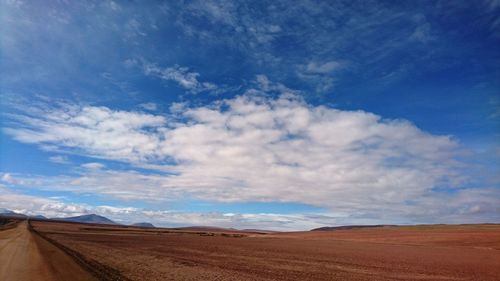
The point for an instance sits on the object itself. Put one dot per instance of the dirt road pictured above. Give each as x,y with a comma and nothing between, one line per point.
25,256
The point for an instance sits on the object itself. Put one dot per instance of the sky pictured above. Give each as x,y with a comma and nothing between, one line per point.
282,115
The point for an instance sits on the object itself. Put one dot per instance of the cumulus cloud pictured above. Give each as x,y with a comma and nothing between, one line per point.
95,131
32,205
285,150
252,148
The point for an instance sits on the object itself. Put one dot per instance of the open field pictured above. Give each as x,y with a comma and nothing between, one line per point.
462,252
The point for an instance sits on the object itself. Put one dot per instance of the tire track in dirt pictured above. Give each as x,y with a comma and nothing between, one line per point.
25,256
99,270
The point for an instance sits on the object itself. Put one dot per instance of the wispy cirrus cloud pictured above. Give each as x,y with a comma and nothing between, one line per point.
182,75
59,159
322,74
8,178
93,166
151,106
325,32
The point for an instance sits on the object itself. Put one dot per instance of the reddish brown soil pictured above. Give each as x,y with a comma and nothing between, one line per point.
25,256
469,252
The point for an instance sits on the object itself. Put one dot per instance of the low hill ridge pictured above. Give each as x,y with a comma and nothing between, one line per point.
143,224
91,218
346,227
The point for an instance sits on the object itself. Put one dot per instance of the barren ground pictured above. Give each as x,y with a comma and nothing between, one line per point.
26,257
468,252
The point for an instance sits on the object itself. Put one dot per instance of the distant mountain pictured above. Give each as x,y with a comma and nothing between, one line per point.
92,218
5,211
261,231
40,217
347,227
8,213
144,224
204,228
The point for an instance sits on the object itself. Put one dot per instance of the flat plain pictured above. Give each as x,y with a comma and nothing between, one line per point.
427,252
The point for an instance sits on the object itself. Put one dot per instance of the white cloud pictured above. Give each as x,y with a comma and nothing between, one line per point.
320,74
467,206
60,159
225,13
54,208
322,68
32,205
285,150
318,38
151,106
253,149
93,166
96,131
133,28
8,178
265,85
185,78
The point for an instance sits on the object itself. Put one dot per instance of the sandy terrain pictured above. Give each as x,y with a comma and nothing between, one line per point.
477,236
393,253
25,256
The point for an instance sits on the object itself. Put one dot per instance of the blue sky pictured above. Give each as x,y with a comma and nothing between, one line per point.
282,115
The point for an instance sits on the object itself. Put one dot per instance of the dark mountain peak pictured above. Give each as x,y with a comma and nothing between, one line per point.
91,218
9,213
5,211
144,224
40,217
